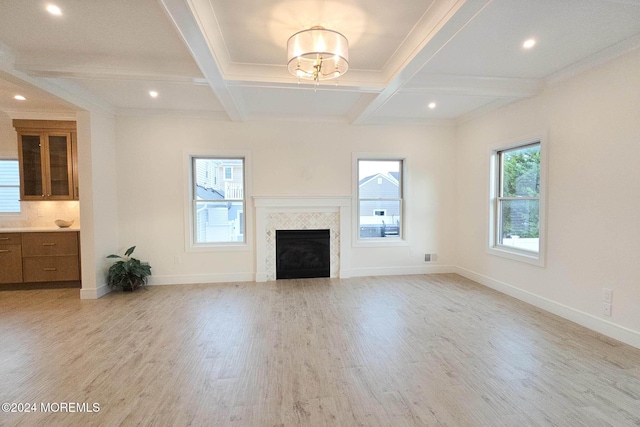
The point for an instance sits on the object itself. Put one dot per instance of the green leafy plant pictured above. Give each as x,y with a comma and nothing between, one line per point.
128,273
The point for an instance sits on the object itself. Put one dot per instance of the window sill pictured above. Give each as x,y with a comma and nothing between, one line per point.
533,258
222,247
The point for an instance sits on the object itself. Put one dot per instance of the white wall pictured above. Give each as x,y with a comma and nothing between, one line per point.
8,138
289,159
98,201
593,123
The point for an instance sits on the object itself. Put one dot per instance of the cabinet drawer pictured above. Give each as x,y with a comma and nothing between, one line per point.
51,268
10,264
10,239
60,243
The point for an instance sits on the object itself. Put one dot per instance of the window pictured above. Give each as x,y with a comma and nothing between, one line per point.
9,186
228,173
218,209
517,201
380,200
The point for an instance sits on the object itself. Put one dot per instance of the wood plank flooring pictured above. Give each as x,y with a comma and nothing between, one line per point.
435,350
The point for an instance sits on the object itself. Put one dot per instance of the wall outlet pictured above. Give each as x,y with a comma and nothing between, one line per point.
606,309
177,260
607,295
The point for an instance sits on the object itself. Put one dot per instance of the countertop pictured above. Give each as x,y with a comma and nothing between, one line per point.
53,229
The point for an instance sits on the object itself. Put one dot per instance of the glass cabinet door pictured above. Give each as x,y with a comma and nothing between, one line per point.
32,166
59,166
48,164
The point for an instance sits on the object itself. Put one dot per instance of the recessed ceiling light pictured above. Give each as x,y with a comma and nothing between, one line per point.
153,94
54,10
528,44
20,98
432,105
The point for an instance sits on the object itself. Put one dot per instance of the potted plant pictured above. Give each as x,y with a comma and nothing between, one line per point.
128,273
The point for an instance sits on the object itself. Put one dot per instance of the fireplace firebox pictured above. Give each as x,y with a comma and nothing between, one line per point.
302,254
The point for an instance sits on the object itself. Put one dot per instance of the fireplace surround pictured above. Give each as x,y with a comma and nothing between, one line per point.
300,213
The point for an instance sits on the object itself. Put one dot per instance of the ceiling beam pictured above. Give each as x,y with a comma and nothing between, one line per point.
67,91
500,87
182,16
110,68
446,19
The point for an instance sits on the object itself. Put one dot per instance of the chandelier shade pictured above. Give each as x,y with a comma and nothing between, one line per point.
318,54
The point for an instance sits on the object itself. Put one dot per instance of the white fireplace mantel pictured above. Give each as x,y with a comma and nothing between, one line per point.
265,206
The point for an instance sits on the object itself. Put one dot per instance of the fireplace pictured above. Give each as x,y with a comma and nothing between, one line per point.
302,213
302,254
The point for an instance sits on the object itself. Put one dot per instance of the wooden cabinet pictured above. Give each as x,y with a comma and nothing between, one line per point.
50,257
48,159
39,257
10,258
74,164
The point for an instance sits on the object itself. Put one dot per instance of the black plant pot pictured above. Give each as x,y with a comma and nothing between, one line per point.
132,286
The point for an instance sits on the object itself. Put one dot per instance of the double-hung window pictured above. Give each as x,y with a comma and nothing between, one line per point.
517,220
380,199
9,186
218,200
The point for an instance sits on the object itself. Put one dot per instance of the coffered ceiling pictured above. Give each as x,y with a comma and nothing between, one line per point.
227,59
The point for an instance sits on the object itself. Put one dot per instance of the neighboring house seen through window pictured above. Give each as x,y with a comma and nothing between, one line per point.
218,204
380,198
9,186
517,209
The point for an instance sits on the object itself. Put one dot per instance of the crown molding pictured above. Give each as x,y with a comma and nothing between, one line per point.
595,60
296,118
410,121
340,87
195,114
485,109
41,115
277,74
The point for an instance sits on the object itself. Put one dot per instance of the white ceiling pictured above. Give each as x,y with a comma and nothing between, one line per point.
227,59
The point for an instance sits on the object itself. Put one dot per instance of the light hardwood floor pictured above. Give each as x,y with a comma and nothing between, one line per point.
434,350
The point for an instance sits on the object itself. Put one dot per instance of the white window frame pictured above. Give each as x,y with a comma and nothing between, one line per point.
493,247
19,211
189,218
402,240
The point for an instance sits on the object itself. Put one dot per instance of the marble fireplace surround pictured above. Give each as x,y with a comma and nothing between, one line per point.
299,213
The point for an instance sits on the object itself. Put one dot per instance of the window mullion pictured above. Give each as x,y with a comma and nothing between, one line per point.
518,198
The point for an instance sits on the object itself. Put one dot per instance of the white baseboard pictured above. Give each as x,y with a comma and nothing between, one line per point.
396,271
94,293
620,333
201,278
262,277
